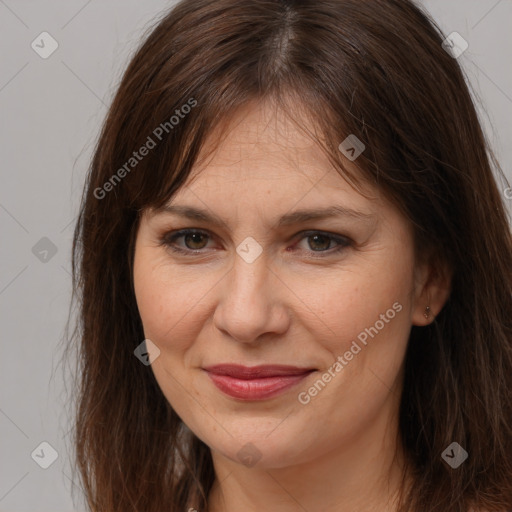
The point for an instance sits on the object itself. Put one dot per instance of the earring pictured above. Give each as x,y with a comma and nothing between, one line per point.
427,312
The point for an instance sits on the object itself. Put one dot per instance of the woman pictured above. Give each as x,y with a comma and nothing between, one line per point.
294,271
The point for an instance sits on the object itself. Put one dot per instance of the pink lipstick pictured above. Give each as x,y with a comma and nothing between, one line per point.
256,382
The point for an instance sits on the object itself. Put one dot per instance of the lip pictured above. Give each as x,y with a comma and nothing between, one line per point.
255,382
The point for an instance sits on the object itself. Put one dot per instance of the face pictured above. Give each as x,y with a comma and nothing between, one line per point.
325,304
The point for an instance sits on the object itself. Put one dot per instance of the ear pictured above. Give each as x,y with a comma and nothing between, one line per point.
432,288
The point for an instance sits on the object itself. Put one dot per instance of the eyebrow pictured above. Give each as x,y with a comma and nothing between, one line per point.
289,219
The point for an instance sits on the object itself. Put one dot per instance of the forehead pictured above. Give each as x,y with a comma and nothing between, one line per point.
261,168
261,145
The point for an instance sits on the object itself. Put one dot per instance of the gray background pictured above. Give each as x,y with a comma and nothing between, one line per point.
51,110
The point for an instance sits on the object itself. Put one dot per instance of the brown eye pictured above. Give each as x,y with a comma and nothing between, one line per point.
193,240
320,242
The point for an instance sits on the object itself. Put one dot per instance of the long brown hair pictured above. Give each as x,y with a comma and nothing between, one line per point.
375,69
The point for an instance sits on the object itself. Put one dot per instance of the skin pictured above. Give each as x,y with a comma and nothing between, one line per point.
299,303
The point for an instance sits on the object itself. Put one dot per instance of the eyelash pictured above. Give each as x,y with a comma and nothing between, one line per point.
169,239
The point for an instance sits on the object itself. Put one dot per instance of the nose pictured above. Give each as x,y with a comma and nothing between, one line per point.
252,302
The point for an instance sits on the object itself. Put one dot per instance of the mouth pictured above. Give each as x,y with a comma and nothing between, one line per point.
256,382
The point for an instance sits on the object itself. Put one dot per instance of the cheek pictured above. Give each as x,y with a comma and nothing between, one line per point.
358,298
172,304
166,300
367,311
168,306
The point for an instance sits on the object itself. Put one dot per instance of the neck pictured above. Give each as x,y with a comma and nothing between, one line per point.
363,475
